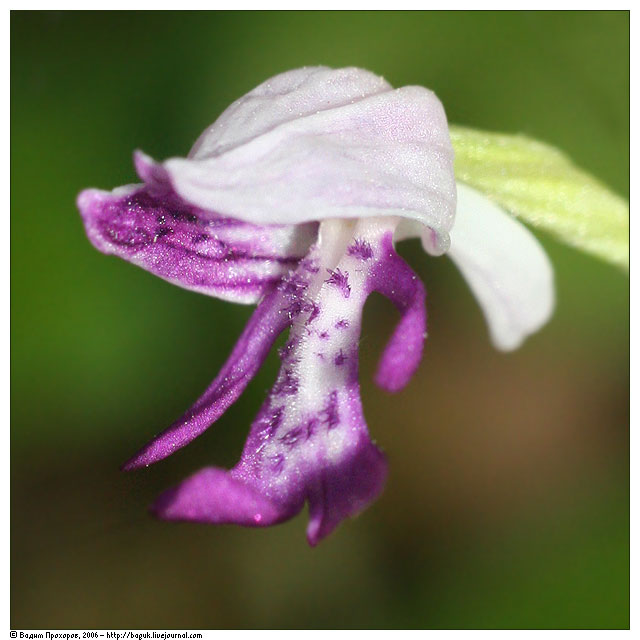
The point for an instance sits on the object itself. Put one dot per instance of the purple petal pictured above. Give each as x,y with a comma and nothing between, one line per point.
195,249
395,279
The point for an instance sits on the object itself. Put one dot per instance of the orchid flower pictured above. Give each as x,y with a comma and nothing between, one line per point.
294,199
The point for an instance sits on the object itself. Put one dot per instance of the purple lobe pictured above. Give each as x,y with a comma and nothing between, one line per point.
394,278
213,496
344,490
195,249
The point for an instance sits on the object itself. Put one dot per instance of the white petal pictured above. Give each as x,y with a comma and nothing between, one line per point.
285,97
319,143
505,266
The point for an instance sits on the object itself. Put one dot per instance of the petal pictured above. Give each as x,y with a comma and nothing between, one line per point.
393,277
505,266
195,249
325,144
285,97
271,317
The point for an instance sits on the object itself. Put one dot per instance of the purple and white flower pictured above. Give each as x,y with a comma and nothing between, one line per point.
293,200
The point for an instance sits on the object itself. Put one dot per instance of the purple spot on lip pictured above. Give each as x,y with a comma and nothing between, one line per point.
324,335
340,358
285,351
311,427
161,232
294,286
330,412
287,385
299,306
123,236
340,280
277,463
315,311
290,438
272,422
360,249
294,289
342,324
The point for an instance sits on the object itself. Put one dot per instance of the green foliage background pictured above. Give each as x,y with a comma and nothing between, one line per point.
507,500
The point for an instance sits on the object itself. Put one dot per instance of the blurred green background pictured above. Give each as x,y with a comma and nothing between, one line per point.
507,499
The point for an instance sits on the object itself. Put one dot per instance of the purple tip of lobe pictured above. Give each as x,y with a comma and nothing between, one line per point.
344,490
393,277
213,496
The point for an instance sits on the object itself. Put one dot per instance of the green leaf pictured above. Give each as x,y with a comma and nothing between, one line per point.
540,185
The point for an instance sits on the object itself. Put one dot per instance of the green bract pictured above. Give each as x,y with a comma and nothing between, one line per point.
540,185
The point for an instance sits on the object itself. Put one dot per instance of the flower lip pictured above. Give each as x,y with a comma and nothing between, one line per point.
310,440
